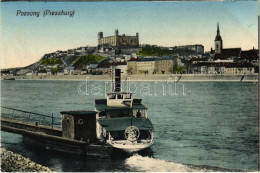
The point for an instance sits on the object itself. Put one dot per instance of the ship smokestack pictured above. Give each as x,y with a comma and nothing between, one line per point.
117,80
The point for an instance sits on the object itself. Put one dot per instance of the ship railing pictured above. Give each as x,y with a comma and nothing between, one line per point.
30,117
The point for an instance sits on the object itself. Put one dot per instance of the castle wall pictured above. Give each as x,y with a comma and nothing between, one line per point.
111,41
127,41
118,40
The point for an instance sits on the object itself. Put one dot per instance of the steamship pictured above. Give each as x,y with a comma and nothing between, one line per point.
122,121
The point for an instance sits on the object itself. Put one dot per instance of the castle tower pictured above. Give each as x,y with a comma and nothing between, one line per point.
218,42
137,36
100,35
116,32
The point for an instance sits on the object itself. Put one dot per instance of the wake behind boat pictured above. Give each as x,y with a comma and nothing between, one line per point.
123,121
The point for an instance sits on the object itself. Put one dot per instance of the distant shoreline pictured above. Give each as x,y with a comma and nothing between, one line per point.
170,77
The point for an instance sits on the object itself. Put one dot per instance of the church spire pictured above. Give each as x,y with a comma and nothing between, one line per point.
218,42
218,32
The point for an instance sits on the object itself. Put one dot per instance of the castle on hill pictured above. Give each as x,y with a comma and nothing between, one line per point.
118,40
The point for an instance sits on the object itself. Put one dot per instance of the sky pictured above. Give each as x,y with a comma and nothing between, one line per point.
25,39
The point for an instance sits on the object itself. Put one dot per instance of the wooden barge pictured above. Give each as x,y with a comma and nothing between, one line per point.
77,135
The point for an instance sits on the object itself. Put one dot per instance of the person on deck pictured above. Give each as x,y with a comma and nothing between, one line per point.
138,114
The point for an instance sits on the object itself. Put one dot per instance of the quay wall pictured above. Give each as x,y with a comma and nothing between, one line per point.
12,162
156,77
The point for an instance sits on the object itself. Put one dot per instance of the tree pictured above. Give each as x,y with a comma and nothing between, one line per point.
155,71
177,69
55,70
129,70
51,61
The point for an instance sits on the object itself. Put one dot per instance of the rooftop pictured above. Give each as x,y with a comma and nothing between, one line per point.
224,64
109,64
79,112
120,124
154,58
198,59
228,53
100,107
252,54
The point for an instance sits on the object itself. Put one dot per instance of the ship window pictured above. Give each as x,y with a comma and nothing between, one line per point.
138,114
119,96
128,96
112,96
80,121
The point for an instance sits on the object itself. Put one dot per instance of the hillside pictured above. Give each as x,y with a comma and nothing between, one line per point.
75,60
159,51
50,61
87,59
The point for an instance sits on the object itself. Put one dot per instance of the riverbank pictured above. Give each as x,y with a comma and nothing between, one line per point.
177,77
12,162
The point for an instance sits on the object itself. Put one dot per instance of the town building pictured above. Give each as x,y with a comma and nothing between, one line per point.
42,72
5,72
164,65
118,40
223,68
147,66
22,71
228,54
105,67
78,70
123,68
132,66
250,56
198,48
159,65
239,70
71,52
69,70
195,60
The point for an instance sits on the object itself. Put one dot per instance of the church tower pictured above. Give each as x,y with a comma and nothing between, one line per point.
218,42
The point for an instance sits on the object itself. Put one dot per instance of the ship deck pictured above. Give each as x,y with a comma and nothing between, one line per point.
101,104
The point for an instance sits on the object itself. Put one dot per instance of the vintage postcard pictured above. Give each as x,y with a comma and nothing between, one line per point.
129,86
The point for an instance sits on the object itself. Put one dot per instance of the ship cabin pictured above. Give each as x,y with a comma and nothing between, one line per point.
119,99
114,117
79,125
120,104
119,111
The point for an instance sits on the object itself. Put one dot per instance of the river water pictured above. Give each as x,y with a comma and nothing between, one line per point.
199,126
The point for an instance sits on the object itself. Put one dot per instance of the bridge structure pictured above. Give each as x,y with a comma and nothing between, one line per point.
45,131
